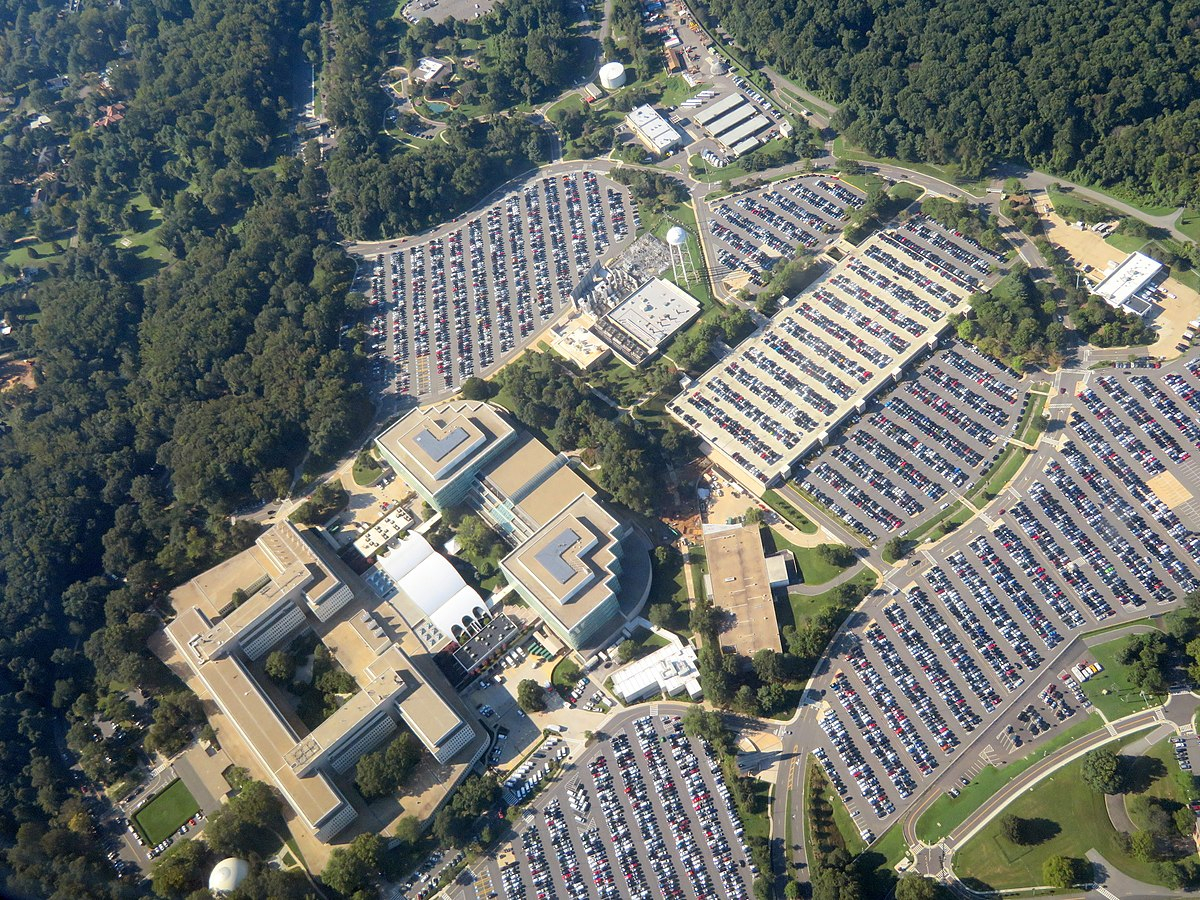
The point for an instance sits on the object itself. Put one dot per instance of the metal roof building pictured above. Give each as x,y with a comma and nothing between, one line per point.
655,132
1120,287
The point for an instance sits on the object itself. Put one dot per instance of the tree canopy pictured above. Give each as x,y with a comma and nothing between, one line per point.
1103,92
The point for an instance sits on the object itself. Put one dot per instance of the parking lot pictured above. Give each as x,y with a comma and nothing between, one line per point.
912,451
831,348
645,812
973,646
464,300
753,231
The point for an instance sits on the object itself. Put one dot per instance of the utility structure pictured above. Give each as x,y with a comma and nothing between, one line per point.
683,266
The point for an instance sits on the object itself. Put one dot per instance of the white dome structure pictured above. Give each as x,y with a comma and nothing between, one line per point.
612,76
676,236
228,874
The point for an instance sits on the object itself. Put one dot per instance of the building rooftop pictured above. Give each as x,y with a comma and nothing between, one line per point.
436,443
816,356
519,464
655,312
749,128
565,564
668,669
432,584
741,586
718,109
653,128
364,642
280,561
1122,283
265,729
717,128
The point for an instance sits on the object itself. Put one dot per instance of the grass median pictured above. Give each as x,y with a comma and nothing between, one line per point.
947,813
1072,819
789,512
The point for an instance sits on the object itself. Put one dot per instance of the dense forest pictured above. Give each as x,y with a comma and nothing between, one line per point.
1103,92
380,189
168,390
529,51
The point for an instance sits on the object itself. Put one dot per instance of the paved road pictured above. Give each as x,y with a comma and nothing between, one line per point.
1177,712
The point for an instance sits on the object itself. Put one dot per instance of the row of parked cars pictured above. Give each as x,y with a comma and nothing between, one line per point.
810,216
1089,534
440,295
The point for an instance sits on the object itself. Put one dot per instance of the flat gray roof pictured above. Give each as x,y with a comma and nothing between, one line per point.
730,120
746,129
439,447
553,556
718,109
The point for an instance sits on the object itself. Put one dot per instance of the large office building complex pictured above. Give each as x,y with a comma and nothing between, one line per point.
567,548
440,449
231,616
1127,287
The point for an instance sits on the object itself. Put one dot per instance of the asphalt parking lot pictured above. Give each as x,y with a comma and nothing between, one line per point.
841,341
913,450
754,230
641,813
462,301
970,651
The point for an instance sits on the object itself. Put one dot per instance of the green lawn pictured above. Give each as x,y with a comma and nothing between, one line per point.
865,183
842,150
565,673
1189,224
699,567
646,642
571,101
812,567
822,831
1072,811
675,90
162,816
1028,428
1111,691
881,859
937,528
789,512
736,169
1126,243
366,469
905,191
947,813
698,287
804,609
1001,474
623,384
1173,785
841,818
759,822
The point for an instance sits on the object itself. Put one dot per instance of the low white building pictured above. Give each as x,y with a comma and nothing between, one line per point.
656,133
1122,287
669,671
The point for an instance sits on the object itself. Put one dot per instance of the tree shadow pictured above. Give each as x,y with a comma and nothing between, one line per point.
1041,830
1141,771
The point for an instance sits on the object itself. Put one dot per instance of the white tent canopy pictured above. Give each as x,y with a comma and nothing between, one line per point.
433,585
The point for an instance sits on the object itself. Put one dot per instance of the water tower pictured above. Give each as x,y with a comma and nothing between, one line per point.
682,264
